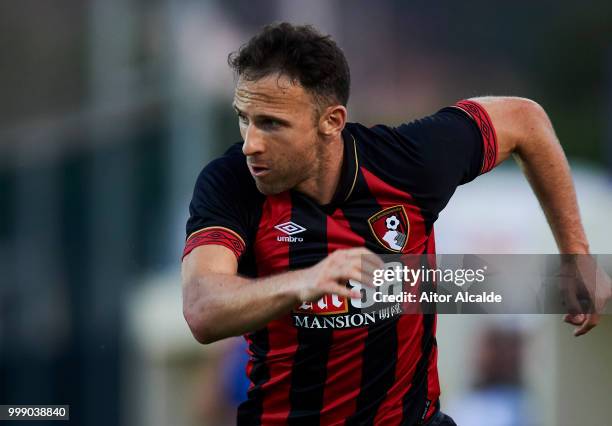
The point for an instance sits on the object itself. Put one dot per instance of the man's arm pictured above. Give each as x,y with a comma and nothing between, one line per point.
217,303
525,131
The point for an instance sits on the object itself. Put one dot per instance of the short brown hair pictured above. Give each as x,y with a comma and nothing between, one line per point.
302,54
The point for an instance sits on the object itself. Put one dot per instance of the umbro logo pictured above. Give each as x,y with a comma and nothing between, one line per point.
290,228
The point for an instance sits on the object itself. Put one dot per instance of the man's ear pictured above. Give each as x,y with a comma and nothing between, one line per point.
332,120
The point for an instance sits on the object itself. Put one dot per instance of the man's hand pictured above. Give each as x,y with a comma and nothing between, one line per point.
330,275
586,289
217,303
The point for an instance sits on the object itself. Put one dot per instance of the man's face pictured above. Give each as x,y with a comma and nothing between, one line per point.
277,123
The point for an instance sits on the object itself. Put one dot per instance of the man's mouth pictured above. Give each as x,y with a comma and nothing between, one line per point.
258,170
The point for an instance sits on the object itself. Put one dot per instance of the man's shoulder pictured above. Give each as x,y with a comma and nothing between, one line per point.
369,137
439,118
379,139
233,159
232,164
227,173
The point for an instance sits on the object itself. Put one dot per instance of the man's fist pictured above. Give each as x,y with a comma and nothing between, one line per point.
586,289
330,275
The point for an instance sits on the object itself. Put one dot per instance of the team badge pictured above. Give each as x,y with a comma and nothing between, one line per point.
391,228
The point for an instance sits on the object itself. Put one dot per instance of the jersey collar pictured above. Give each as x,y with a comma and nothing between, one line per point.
350,167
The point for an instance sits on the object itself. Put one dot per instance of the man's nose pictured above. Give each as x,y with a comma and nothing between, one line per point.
253,141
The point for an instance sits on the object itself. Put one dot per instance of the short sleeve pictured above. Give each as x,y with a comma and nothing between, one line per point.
458,142
487,132
217,214
430,157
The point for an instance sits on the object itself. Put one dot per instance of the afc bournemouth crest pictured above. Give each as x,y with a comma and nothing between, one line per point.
391,228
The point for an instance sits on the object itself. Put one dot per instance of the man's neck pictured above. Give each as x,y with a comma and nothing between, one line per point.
322,186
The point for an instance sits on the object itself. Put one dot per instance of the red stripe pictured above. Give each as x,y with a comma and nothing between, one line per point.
345,356
218,236
249,366
282,337
489,137
272,257
409,326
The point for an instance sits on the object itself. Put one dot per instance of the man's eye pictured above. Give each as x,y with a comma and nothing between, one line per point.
242,118
270,124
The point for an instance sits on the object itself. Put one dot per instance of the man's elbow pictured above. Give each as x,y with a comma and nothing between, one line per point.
199,325
531,112
532,125
197,315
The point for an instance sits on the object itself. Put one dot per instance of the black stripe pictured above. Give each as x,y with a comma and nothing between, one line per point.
309,370
250,411
377,371
380,347
414,401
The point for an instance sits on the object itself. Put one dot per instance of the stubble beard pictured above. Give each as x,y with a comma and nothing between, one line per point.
295,171
287,180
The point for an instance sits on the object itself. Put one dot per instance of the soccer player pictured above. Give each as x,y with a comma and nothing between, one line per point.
280,225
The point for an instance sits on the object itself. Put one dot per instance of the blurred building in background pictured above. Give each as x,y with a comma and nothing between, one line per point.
109,110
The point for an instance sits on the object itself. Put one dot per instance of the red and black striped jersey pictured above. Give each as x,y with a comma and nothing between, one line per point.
330,362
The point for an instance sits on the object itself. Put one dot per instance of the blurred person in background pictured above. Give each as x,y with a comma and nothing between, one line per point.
284,219
222,384
498,397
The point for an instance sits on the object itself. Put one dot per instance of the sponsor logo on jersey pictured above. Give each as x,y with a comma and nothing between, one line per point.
306,318
327,305
391,228
290,229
